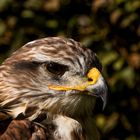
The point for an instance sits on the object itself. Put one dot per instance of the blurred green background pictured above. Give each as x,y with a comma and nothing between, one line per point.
111,28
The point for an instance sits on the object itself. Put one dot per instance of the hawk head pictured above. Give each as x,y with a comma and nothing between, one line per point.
54,74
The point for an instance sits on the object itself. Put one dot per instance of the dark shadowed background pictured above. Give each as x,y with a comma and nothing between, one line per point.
111,28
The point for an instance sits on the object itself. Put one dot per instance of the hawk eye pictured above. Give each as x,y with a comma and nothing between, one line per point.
56,69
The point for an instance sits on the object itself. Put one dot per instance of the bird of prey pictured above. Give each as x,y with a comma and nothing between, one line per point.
48,90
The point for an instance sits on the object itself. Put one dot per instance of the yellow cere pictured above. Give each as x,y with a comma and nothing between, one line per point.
93,74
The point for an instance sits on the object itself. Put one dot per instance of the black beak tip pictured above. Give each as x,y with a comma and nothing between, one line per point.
103,96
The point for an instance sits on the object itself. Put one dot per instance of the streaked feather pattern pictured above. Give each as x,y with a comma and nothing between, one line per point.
25,95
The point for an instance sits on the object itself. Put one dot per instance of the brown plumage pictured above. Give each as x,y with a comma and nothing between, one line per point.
48,88
23,130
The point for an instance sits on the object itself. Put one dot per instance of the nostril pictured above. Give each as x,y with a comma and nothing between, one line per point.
89,79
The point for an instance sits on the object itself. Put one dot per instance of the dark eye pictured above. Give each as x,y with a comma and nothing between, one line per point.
56,69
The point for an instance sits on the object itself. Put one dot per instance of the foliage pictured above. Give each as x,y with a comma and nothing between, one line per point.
109,27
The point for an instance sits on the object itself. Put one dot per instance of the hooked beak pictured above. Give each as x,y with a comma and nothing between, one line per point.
99,89
95,87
